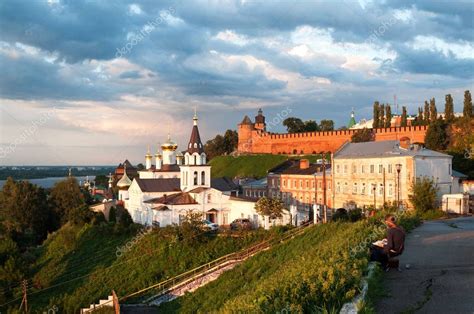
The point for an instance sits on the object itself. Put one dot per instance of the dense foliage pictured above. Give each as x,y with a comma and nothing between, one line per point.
222,144
363,135
270,207
423,194
296,125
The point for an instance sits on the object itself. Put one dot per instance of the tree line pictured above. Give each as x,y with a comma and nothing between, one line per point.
382,113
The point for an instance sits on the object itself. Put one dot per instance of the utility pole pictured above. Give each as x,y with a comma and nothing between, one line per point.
383,186
24,286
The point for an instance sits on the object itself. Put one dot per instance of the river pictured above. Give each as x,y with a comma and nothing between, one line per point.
48,182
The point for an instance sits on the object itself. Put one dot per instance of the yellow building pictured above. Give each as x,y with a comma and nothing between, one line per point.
372,173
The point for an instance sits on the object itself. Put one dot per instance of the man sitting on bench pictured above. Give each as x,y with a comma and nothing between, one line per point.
393,245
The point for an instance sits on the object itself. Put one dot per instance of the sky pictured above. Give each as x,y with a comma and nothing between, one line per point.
95,82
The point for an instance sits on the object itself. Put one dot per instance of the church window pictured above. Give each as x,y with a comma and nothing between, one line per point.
209,198
195,160
203,178
195,178
195,145
190,145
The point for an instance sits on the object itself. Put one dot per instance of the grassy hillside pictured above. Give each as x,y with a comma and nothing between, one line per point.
249,165
314,272
79,265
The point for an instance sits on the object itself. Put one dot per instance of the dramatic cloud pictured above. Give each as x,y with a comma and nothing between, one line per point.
122,74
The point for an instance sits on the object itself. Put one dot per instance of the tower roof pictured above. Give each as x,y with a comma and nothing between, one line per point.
246,120
195,144
352,121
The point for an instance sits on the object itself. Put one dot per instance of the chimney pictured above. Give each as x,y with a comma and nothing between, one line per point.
405,142
304,164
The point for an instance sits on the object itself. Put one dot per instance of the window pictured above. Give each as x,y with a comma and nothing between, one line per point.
301,184
195,178
338,187
354,188
195,145
354,169
246,192
389,168
313,183
362,169
380,168
337,168
209,198
372,168
345,168
203,178
345,187
294,183
390,189
307,184
372,188
380,189
320,185
362,190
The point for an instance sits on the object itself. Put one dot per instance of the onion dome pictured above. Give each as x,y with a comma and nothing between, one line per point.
158,154
169,144
148,155
124,181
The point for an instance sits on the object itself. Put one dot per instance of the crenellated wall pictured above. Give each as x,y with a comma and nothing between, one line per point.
256,141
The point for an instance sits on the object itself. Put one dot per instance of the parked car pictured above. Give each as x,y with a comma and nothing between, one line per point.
210,225
241,224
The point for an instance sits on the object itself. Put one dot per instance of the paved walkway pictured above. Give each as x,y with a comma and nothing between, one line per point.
441,275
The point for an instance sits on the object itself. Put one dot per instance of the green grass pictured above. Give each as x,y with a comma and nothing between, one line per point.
312,272
83,262
315,272
249,165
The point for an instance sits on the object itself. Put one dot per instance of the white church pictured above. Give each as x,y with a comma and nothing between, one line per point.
164,192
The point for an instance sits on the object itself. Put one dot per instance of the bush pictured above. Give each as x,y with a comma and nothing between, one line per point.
340,215
355,214
433,214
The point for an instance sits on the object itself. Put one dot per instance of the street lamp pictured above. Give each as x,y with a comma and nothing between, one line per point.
374,189
399,168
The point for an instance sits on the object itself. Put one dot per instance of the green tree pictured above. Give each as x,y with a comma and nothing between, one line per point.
294,125
436,137
326,125
423,193
24,213
388,116
363,135
270,207
427,116
433,111
467,108
66,199
404,118
231,139
449,108
381,116
12,268
376,123
311,126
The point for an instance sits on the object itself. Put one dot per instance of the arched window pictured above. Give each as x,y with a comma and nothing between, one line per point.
203,178
195,178
195,160
195,145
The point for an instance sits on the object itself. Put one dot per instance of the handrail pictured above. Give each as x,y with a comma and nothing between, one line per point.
181,279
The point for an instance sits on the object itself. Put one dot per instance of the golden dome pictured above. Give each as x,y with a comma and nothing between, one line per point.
169,144
148,155
125,181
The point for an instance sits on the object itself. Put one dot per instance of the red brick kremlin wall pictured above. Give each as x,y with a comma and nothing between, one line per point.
253,140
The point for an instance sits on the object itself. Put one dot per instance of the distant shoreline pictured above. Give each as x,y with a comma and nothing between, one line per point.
39,172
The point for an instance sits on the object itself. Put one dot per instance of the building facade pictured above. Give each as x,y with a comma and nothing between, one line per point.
374,173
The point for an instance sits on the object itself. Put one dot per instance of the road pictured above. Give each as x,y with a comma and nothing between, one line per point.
441,274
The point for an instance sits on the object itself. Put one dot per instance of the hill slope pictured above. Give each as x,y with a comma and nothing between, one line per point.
249,165
316,271
77,266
